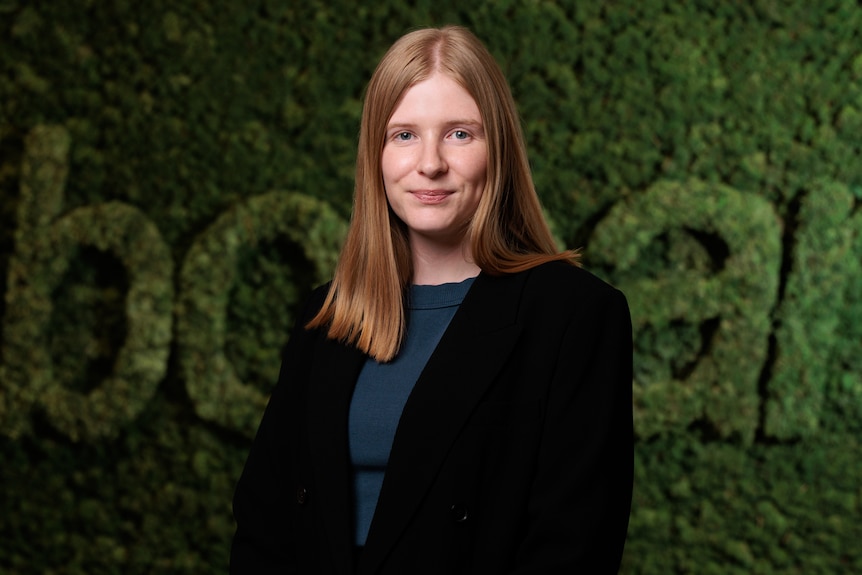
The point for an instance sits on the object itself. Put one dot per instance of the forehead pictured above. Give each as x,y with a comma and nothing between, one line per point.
436,97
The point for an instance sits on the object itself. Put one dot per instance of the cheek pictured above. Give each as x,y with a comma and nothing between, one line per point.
479,173
394,164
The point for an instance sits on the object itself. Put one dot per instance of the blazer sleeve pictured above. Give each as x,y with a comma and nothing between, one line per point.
263,500
580,500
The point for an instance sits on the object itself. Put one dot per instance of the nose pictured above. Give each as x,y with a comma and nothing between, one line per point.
431,161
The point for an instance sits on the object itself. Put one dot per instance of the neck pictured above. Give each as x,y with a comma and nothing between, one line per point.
435,263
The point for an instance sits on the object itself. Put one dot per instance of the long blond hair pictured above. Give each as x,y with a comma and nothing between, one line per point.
508,232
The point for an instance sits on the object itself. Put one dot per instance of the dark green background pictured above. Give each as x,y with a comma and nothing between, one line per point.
176,175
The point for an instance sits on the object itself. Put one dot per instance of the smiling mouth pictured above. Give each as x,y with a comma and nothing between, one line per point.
431,196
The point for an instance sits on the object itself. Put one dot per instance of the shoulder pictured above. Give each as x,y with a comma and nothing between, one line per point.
552,289
314,301
565,301
561,280
318,294
561,294
547,295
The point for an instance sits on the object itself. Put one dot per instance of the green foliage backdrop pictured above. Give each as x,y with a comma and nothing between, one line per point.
176,175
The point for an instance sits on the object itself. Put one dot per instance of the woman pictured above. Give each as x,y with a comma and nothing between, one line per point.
458,399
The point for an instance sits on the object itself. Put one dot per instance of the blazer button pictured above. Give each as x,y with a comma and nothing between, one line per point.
458,513
301,495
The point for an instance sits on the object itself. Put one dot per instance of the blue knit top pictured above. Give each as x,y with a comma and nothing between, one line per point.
382,390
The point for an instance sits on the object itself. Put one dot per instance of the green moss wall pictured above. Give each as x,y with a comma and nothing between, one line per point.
176,175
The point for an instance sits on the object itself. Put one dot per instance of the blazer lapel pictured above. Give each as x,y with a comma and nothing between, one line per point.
466,361
333,378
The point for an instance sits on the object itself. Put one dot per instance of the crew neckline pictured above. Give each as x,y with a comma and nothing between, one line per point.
438,296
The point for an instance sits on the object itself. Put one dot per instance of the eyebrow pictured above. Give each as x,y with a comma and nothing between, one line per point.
450,123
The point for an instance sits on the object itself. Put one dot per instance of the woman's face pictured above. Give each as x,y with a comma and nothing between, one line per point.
434,160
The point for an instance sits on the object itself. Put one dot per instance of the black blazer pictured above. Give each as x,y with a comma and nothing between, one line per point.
514,453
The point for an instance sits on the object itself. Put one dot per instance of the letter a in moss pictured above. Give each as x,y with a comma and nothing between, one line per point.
727,294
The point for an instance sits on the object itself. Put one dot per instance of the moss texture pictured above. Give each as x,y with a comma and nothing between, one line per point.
175,176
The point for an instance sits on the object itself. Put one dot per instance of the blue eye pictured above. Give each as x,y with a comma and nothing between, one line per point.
460,135
403,136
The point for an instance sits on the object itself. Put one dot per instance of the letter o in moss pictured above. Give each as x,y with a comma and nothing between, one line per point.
722,386
207,275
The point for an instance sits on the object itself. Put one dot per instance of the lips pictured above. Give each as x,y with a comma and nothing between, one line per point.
431,196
